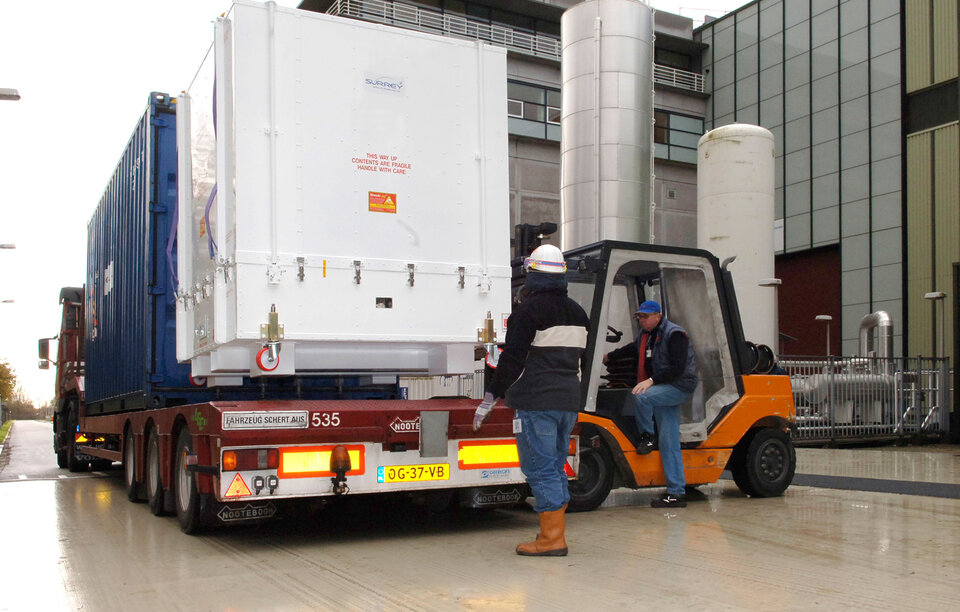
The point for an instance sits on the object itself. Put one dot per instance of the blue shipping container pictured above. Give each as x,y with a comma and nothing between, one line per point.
131,258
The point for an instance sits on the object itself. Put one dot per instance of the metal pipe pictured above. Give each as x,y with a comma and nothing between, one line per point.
596,122
881,320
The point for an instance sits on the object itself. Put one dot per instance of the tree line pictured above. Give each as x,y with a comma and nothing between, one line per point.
15,403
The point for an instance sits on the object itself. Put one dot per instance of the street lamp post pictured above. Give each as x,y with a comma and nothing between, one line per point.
7,245
826,319
775,283
937,298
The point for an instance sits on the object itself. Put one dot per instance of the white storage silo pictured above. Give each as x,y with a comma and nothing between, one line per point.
735,217
607,121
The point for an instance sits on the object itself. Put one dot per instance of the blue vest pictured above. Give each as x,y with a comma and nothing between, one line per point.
660,361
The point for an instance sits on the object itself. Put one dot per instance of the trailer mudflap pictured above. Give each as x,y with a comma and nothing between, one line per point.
217,512
494,496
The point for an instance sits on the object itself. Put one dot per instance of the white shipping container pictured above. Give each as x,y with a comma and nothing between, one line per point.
353,177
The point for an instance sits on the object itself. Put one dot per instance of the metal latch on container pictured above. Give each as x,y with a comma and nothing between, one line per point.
274,273
410,268
485,284
463,276
224,266
356,271
300,263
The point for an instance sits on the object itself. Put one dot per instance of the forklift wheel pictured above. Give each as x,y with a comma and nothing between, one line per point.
594,480
763,462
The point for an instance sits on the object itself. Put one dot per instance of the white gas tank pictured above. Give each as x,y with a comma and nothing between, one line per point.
735,217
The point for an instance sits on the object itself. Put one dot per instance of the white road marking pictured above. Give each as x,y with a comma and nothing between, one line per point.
22,476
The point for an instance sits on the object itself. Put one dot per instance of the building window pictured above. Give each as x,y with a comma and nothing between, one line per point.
675,136
533,111
673,59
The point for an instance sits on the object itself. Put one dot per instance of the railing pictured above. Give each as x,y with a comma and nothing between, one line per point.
674,77
539,45
424,20
869,398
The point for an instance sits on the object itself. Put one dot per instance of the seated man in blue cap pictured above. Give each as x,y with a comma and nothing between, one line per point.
666,378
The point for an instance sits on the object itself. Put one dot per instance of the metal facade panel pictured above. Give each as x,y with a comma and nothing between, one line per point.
918,44
919,215
944,40
947,214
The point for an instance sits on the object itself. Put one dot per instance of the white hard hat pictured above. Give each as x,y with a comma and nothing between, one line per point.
546,258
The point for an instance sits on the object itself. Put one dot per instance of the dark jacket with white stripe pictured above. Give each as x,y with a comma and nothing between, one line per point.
540,367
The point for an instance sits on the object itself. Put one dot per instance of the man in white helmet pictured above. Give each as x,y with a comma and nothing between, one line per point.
538,375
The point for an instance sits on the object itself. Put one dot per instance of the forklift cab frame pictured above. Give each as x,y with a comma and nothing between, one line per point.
610,279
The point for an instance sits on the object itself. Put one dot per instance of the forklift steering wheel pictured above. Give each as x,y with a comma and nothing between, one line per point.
615,335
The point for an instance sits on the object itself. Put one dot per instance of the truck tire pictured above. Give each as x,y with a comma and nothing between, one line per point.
58,443
763,463
73,464
186,496
154,481
130,467
594,480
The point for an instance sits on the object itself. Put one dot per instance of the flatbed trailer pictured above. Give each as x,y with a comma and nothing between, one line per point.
231,461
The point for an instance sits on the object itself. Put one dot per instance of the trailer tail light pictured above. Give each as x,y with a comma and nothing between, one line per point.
485,454
80,438
314,461
250,459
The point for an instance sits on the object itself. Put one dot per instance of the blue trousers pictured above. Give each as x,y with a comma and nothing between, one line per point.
542,443
662,402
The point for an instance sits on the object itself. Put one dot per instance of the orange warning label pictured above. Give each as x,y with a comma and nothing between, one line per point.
237,488
382,202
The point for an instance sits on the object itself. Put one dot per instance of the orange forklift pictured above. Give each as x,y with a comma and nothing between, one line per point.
740,415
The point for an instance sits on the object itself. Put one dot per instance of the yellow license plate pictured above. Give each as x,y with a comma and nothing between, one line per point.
413,473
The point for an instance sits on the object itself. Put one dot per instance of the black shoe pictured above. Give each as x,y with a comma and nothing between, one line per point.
646,444
669,501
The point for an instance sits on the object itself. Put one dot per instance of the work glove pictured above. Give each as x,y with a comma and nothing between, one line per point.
483,411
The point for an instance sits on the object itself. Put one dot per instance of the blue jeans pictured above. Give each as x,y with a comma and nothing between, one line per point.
662,402
542,443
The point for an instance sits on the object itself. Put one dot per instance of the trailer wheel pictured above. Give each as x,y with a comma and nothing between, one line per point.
130,466
58,443
70,439
154,482
594,480
763,463
187,499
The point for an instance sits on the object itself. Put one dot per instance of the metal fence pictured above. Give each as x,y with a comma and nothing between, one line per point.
869,398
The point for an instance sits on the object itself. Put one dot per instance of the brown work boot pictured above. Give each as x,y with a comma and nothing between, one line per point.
550,541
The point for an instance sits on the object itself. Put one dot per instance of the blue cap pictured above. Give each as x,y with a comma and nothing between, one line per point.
649,307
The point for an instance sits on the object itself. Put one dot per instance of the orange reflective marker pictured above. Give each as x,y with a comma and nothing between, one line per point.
237,488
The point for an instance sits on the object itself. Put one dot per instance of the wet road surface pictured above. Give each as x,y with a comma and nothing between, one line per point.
77,543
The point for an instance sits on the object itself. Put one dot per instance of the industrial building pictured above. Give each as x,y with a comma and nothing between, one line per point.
861,98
